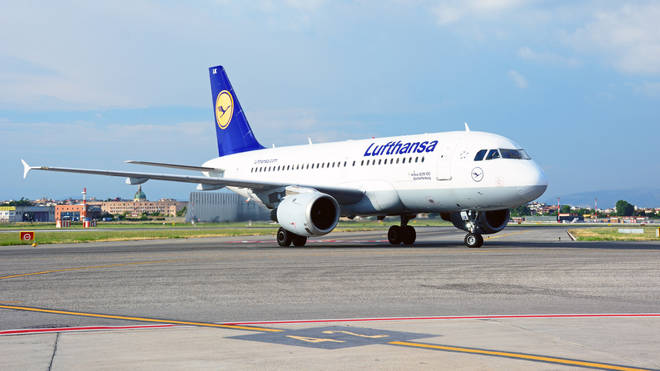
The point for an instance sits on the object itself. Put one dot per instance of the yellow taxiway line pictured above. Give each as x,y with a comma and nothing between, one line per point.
555,360
81,268
138,319
505,235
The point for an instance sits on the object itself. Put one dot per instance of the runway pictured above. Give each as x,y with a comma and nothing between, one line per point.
530,292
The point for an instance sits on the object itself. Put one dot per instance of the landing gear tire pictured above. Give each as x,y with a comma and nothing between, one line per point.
409,235
394,235
284,237
299,241
473,240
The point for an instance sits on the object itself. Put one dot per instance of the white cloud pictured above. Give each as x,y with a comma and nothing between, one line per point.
448,12
627,37
649,88
518,79
294,126
547,57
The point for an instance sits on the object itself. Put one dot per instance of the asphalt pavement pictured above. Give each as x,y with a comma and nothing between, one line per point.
531,298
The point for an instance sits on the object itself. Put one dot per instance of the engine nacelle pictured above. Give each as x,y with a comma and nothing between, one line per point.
487,222
308,213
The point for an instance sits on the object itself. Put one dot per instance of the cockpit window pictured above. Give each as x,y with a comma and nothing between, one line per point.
480,155
493,154
516,154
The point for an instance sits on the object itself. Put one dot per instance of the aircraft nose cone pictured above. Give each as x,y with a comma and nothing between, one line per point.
535,186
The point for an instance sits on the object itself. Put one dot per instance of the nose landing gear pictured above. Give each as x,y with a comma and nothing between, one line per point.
474,240
402,234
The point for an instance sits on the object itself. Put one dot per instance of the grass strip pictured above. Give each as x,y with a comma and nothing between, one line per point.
612,234
90,236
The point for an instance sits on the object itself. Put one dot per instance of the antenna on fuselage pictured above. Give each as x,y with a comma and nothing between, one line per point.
467,128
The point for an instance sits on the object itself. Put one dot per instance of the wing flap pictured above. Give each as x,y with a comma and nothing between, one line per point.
173,166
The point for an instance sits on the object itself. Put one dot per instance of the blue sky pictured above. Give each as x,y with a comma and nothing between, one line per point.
90,84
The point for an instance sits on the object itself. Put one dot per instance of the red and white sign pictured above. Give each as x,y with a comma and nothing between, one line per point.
27,236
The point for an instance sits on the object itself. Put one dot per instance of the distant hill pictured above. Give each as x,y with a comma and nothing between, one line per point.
641,197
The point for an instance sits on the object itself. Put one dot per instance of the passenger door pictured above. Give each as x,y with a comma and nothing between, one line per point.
443,167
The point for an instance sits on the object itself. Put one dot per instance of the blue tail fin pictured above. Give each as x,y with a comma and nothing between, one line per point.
231,125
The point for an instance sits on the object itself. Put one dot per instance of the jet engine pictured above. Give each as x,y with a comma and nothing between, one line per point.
308,213
487,222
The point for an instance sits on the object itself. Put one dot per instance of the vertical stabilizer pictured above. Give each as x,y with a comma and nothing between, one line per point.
231,126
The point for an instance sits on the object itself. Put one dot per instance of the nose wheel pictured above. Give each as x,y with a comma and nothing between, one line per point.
474,240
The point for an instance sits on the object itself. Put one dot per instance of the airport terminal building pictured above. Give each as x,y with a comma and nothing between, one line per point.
223,207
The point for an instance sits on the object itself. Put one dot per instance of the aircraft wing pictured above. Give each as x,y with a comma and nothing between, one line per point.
343,195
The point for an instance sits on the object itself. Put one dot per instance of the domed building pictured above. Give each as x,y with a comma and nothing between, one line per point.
139,205
139,195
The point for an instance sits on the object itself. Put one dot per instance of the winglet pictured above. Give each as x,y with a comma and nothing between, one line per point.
26,168
467,128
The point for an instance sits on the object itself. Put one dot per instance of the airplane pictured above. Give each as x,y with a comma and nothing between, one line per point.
469,178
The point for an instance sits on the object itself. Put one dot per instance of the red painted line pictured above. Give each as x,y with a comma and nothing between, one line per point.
66,329
312,241
452,317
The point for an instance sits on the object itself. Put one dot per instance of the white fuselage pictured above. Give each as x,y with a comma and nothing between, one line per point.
395,178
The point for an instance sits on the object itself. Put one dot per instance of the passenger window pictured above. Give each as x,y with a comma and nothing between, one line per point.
416,159
480,155
344,163
493,154
422,158
353,163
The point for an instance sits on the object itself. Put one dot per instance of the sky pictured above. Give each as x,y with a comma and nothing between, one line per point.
91,84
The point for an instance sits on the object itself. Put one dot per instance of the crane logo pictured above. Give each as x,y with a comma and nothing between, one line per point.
224,109
477,174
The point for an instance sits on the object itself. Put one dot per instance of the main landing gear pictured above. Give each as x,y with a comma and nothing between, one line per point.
402,234
286,238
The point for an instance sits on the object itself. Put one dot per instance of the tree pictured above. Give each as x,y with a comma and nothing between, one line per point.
565,209
106,214
623,208
182,212
522,210
22,202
